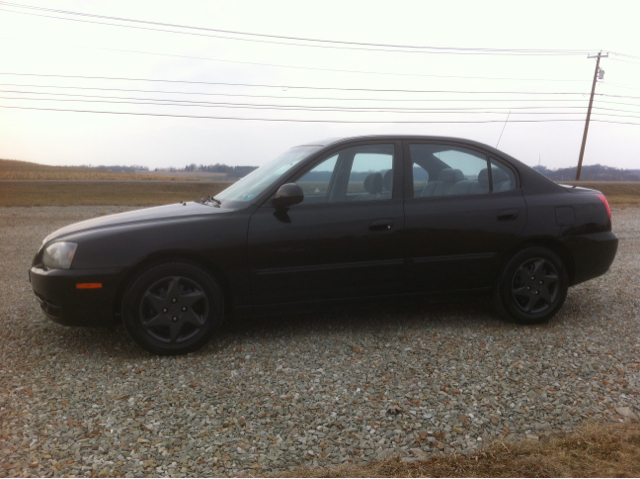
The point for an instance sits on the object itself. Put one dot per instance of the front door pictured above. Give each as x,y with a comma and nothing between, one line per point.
343,241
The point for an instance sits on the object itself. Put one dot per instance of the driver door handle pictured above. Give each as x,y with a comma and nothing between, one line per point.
381,225
507,215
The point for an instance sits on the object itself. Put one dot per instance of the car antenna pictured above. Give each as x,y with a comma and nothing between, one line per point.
505,125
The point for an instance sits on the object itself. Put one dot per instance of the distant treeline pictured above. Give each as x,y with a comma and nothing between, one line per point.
118,168
234,171
590,173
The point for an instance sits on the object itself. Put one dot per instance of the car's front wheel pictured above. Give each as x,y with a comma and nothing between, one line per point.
172,308
532,287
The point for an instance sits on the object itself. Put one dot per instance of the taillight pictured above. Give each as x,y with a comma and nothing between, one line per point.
606,204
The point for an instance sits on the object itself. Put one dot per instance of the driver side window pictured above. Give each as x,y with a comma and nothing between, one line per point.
361,173
315,183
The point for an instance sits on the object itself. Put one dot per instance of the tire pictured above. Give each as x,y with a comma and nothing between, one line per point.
172,308
532,286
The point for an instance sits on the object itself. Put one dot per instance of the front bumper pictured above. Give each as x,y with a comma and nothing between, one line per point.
62,302
592,254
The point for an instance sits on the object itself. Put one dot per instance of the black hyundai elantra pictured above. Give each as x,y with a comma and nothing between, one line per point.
331,223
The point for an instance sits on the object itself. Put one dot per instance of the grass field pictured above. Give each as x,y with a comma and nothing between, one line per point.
611,450
23,170
117,193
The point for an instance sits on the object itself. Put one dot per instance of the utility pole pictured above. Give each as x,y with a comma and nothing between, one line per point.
586,125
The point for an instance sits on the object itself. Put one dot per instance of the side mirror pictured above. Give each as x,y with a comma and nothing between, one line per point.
287,195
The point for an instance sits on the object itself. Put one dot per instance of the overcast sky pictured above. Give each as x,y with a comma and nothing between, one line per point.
318,83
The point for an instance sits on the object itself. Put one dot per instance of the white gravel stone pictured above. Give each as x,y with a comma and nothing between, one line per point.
320,389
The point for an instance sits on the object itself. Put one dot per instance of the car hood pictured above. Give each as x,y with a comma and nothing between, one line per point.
158,213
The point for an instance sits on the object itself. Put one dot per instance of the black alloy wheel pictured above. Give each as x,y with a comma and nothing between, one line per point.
172,308
532,286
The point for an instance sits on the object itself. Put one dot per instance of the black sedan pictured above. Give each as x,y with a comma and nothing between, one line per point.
331,223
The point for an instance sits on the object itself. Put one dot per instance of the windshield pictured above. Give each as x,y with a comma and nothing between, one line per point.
255,182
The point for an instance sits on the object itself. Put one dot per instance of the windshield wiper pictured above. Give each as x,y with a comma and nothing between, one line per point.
211,199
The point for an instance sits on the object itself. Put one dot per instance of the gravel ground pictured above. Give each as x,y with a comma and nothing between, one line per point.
319,389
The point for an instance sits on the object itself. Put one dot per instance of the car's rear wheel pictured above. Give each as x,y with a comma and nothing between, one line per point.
532,287
172,308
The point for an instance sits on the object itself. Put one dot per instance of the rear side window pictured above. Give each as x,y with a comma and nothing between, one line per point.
446,170
503,177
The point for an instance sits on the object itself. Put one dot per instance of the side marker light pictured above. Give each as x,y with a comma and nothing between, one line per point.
88,285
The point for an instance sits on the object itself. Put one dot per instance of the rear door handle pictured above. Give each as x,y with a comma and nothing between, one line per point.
507,215
381,225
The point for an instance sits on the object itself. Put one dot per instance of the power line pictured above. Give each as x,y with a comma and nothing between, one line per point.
282,39
300,87
288,97
282,98
617,96
238,62
624,55
625,61
173,102
620,85
306,120
277,86
279,107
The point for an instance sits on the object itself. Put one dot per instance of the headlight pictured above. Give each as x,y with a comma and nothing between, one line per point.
59,255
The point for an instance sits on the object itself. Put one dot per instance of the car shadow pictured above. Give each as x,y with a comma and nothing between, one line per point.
383,320
375,320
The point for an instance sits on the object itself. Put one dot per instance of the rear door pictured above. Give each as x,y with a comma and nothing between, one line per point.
462,210
343,241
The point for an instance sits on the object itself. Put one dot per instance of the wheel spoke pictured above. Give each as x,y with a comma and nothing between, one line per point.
533,299
173,288
190,298
174,329
537,267
156,301
159,320
193,318
544,295
522,274
522,292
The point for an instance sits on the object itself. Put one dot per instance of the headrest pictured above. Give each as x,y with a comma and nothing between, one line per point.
373,183
451,175
498,176
387,180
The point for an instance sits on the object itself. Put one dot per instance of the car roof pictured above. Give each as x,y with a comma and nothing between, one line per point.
336,140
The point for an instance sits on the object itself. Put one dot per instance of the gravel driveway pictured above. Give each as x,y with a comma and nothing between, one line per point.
319,389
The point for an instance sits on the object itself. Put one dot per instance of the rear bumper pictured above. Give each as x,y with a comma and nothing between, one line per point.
62,302
592,254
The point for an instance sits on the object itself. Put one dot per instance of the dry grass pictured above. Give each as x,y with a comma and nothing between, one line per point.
23,170
611,450
119,193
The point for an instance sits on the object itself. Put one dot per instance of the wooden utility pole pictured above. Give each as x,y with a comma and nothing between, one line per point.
586,125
